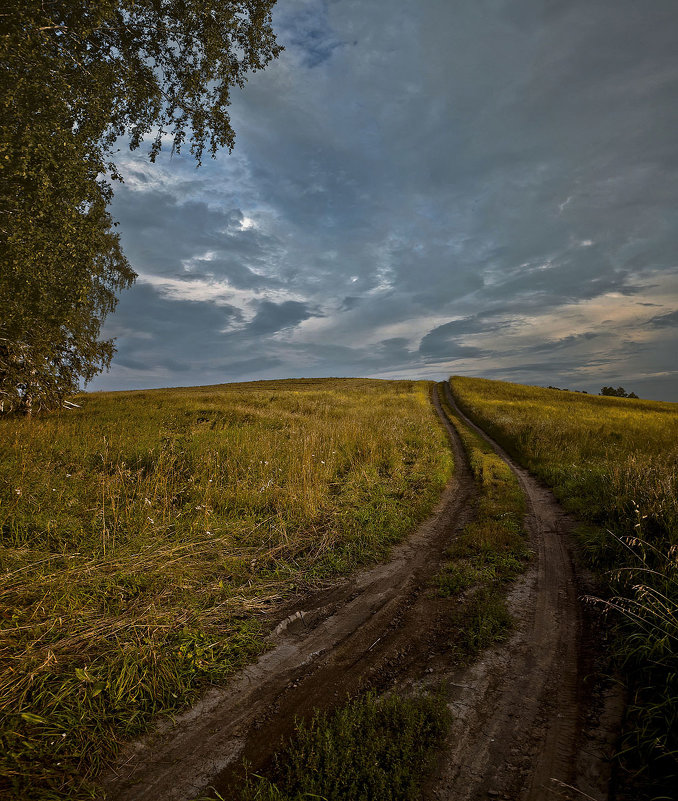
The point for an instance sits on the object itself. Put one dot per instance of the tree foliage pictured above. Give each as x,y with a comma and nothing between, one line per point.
619,392
76,76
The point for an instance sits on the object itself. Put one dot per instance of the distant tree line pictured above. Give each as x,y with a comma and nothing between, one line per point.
619,392
75,76
613,392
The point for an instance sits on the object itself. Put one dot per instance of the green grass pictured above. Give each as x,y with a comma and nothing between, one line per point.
614,463
489,552
372,749
486,621
145,536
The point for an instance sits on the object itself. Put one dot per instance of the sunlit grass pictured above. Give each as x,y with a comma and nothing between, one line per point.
603,456
145,536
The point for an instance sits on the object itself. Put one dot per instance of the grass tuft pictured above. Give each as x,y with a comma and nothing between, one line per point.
486,621
369,750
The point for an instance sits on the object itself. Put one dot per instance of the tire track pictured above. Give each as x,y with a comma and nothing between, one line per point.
521,728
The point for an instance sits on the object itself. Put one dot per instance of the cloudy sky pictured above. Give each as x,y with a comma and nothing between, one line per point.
484,187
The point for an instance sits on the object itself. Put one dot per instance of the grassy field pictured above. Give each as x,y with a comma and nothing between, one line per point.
614,463
146,534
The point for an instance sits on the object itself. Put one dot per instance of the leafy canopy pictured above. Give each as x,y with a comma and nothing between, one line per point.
619,392
76,76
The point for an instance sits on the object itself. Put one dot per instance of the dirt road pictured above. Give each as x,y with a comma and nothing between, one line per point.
529,723
520,712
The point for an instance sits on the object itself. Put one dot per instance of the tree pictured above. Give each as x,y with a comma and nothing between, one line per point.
619,392
75,76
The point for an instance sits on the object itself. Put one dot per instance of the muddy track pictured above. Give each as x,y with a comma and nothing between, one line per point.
522,714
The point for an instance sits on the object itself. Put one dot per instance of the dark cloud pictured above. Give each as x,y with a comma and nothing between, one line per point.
417,187
308,31
669,320
273,317
443,341
145,316
189,239
349,302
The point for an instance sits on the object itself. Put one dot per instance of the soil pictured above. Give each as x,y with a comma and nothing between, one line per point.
530,721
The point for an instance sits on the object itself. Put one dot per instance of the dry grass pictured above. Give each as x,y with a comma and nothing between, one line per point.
145,536
603,456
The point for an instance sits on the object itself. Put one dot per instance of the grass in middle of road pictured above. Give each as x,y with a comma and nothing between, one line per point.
371,748
489,551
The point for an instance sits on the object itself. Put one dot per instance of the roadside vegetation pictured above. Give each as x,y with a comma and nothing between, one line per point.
490,551
146,535
613,462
